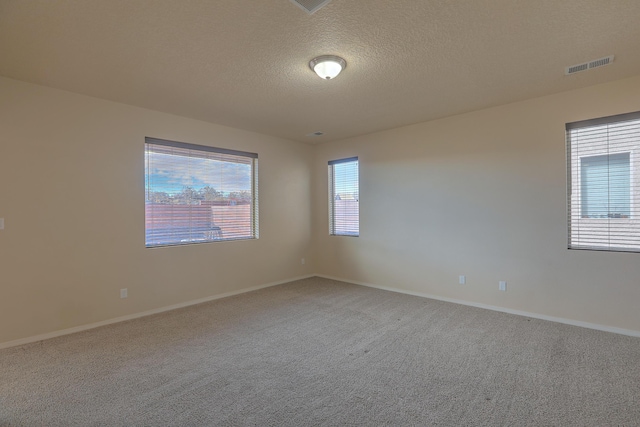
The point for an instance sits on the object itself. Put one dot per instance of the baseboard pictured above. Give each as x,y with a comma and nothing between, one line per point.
41,337
621,331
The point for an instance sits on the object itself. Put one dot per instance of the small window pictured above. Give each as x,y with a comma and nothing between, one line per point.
197,194
344,197
605,187
602,156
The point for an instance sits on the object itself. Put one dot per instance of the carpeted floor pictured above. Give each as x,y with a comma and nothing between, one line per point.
322,353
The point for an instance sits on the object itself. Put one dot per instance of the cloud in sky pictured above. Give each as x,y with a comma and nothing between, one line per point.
170,173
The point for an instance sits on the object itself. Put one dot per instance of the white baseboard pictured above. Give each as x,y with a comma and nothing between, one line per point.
41,337
629,332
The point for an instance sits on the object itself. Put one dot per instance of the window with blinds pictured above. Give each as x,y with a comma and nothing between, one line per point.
197,194
344,197
602,184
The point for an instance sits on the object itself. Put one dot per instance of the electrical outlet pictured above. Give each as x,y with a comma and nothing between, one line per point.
124,293
502,285
462,280
302,261
1,223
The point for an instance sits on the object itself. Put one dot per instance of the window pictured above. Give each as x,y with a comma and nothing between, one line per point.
198,194
602,163
344,197
604,182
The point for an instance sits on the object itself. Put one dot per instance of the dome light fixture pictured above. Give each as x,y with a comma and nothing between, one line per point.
327,66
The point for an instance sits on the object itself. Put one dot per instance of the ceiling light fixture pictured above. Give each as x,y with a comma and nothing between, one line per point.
327,66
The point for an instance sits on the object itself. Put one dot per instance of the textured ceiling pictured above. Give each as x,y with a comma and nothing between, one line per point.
243,63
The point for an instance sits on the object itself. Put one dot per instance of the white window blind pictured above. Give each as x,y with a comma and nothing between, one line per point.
344,197
198,194
602,187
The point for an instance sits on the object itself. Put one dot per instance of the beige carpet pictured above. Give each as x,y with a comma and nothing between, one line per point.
326,353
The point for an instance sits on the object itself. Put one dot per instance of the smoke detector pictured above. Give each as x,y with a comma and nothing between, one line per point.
588,65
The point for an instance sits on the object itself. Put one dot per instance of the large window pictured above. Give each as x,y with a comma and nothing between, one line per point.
602,156
198,194
344,197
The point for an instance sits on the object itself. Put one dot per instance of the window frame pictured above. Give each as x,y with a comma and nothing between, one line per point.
333,194
252,160
574,189
581,184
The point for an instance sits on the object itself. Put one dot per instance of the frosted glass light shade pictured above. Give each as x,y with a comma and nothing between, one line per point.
328,66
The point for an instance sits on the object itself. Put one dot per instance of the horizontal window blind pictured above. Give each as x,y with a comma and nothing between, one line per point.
197,194
602,183
344,197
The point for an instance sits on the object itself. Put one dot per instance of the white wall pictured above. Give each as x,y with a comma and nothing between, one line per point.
481,194
72,196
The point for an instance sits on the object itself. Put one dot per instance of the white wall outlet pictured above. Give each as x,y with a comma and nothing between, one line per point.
462,280
502,285
1,223
302,261
124,293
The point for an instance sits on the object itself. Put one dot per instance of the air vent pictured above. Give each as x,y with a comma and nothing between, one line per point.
589,65
310,6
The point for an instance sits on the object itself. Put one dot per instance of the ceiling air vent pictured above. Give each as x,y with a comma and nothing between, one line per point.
589,65
310,5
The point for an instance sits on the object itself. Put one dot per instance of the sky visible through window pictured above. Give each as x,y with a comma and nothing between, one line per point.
346,179
171,173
